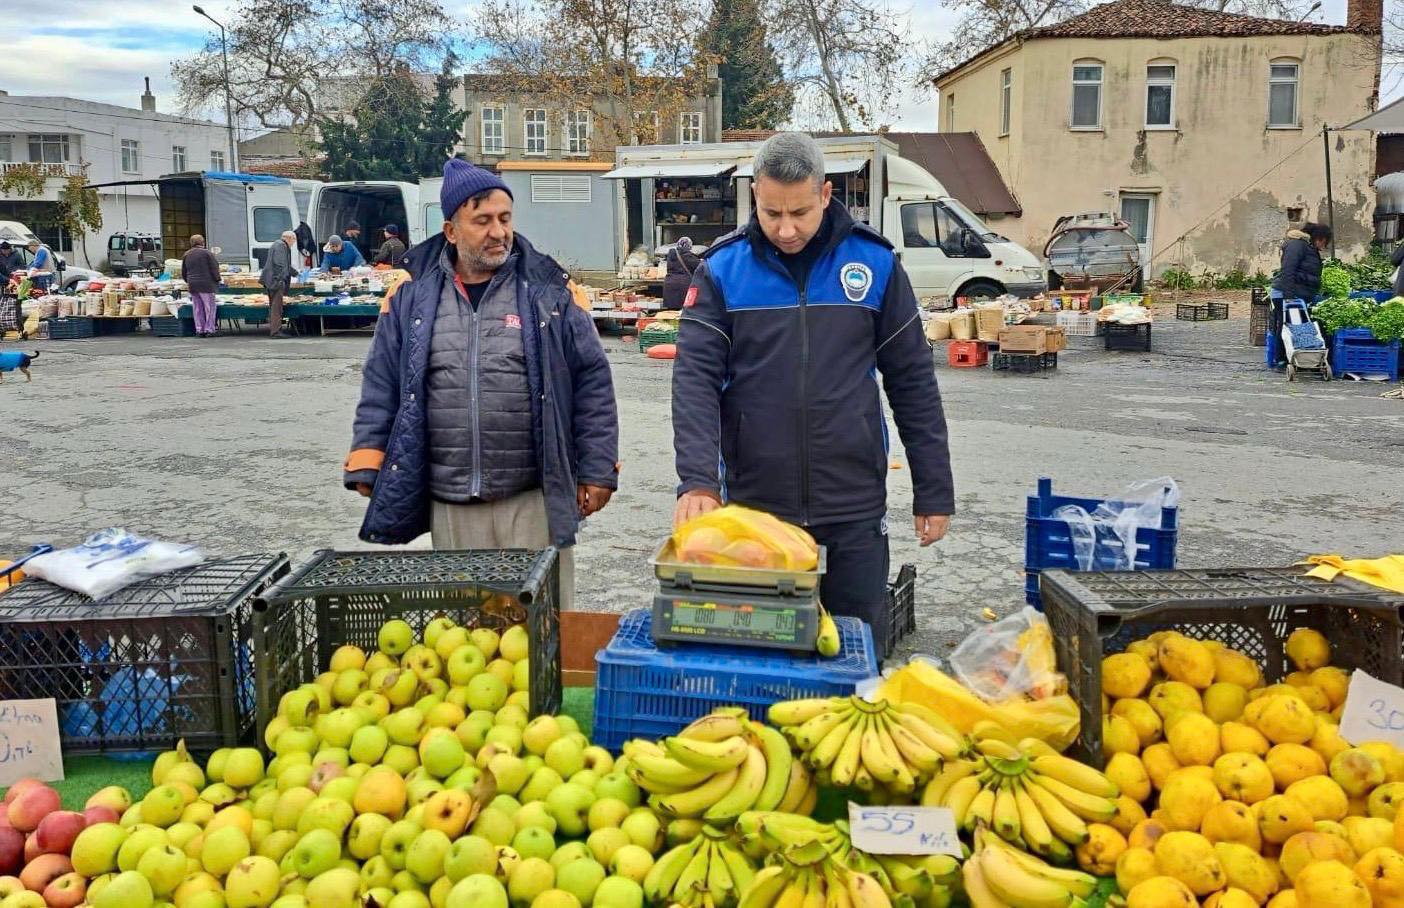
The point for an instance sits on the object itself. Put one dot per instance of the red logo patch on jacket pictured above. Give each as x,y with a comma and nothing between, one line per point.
691,299
512,321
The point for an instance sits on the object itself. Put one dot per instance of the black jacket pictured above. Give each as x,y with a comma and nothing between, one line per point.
1300,275
681,266
10,263
776,401
1398,261
200,270
390,252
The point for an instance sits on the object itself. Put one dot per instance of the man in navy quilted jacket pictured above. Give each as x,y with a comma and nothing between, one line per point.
776,404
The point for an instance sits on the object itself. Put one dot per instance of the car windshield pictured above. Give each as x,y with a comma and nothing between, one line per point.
972,220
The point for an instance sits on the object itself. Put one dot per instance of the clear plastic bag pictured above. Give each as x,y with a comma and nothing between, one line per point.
109,560
1116,522
734,536
1010,658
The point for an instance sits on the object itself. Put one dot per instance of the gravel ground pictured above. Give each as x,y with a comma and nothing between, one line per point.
236,443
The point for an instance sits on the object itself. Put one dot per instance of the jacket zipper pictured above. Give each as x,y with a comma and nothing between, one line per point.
477,489
803,397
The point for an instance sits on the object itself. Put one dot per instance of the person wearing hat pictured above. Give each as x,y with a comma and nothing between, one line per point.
340,255
11,260
487,414
392,250
682,262
41,265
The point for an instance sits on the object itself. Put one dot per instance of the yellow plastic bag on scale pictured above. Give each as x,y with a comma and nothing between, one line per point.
734,536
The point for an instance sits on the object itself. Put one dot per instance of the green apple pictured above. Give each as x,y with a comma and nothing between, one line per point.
139,840
315,853
439,892
409,899
486,691
404,881
224,848
469,855
403,758
556,898
368,744
521,676
581,878
291,804
435,628
331,814
507,862
243,768
363,838
162,805
336,888
337,756
607,813
444,715
618,787
296,739
507,804
421,790
396,841
506,737
458,696
404,726
533,763
373,703
495,826
449,640
570,805
347,656
265,805
535,814
542,782
486,640
277,844
400,686
128,889
425,858
520,699
426,703
214,766
605,842
534,842
620,892
94,851
644,829
598,760
164,867
338,726
348,685
441,753
514,643
295,775
540,733
341,788
464,664
322,774
423,661
585,778
376,873
514,715
568,725
395,637
631,861
260,787
532,877
290,900
464,779
299,707
570,851
477,891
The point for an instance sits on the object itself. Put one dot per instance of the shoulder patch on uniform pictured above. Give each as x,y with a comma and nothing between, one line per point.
691,299
857,279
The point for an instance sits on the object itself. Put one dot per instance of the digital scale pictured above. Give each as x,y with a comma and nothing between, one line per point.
740,606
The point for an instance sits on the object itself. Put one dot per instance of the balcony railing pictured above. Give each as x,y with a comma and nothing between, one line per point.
48,170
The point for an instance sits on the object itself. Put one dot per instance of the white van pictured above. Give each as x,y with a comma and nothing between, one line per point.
370,203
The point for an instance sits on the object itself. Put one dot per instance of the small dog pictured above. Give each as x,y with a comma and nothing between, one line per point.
10,360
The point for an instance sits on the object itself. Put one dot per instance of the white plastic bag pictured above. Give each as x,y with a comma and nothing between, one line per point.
109,560
1117,521
1013,657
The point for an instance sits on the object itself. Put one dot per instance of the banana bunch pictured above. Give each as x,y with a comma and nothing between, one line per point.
806,875
708,872
828,643
1028,794
719,767
850,742
998,875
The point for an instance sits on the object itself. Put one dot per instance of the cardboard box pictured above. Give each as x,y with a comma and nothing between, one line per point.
1057,339
1024,339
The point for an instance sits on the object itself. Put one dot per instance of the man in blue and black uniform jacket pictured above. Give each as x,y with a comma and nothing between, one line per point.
776,405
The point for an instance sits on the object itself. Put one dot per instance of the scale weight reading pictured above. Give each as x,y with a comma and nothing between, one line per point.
775,622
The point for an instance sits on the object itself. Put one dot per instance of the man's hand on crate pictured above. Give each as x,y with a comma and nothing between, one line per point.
932,527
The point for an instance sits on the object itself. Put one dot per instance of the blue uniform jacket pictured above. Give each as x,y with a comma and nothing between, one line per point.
776,402
573,409
349,257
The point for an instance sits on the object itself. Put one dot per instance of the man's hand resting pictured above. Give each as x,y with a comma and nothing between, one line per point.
931,527
694,504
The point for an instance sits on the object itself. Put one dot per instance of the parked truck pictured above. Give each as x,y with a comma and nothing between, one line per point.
373,204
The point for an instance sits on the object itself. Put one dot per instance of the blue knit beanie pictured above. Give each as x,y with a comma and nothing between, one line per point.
462,181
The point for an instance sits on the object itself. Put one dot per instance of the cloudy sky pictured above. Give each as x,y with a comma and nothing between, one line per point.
101,51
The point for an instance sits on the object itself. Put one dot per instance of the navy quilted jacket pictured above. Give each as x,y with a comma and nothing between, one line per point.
573,410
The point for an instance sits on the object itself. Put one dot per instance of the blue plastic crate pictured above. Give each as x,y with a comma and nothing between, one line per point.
643,691
1356,350
1048,543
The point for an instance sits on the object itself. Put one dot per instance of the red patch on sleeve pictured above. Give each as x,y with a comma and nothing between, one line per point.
691,299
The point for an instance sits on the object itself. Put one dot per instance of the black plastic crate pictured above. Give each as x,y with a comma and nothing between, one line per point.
1201,312
102,327
1259,318
1023,362
166,658
1128,337
170,326
344,597
72,328
1253,610
901,607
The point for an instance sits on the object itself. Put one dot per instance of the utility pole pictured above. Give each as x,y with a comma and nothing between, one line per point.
228,98
1330,201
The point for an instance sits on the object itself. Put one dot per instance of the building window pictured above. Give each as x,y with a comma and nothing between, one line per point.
178,158
645,127
1006,100
1160,95
534,127
269,223
1087,96
578,123
131,156
690,127
7,152
1282,95
216,160
50,149
494,141
552,187
950,112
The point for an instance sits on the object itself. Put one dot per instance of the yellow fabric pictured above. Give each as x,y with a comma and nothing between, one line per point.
1386,572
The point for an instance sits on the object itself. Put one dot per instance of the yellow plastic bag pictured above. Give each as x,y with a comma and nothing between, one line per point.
734,536
1053,719
1386,572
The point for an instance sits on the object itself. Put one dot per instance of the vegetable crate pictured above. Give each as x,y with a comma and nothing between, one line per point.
1356,350
344,597
1201,312
1048,541
1077,324
72,328
967,354
655,334
170,326
170,657
1253,610
1128,337
1024,362
643,691
901,607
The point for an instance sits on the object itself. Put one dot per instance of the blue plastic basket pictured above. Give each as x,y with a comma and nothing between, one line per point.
1048,543
642,691
1356,350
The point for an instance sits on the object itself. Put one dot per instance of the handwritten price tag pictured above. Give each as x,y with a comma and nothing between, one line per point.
903,830
29,741
1374,711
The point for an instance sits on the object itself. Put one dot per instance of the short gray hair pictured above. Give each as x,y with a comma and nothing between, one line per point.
789,157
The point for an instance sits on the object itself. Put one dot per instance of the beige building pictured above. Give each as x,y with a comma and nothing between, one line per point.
1201,129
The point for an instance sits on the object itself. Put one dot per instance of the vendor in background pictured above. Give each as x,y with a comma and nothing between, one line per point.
392,250
11,261
785,329
306,245
682,262
340,255
42,265
1299,278
200,270
352,233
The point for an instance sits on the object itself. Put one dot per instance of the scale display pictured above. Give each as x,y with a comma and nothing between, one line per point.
781,624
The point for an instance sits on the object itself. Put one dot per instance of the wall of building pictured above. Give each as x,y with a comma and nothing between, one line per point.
1198,170
579,234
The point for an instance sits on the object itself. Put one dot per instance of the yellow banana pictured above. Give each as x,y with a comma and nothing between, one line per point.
719,880
1065,824
740,869
811,800
865,891
919,757
981,809
835,892
766,887
716,726
1032,825
814,891
1090,807
1060,853
742,796
827,749
1037,747
808,735
650,785
778,760
935,793
988,728
977,890
949,747
875,758
713,756
642,745
930,717
994,747
694,875
1078,883
1006,813
960,796
845,765
663,876
1016,886
863,780
695,801
793,894
1075,775
797,712
828,643
796,788
682,831
667,771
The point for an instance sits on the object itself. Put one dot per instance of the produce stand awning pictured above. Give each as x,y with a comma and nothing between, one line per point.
668,170
1388,120
851,164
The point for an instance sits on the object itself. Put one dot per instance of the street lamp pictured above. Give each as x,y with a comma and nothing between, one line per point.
228,101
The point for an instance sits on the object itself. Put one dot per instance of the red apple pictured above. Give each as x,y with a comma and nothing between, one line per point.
20,787
66,891
43,870
31,806
57,831
11,851
99,814
31,848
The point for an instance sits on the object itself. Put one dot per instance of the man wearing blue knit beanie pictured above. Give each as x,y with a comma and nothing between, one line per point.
487,413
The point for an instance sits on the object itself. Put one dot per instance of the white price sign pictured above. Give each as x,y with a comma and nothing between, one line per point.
29,741
1374,711
903,830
